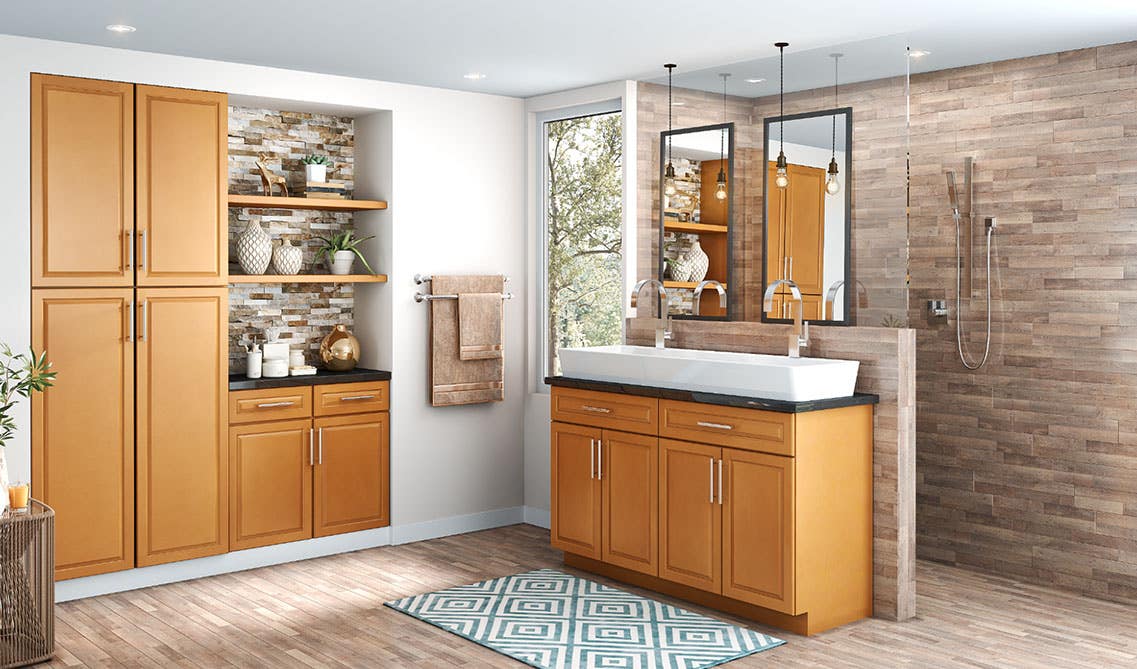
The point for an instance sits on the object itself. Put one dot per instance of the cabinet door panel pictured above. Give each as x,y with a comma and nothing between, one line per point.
352,474
758,529
629,480
775,233
690,515
575,490
82,181
181,139
805,227
182,445
83,427
270,491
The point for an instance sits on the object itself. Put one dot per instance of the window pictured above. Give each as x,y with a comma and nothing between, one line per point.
581,210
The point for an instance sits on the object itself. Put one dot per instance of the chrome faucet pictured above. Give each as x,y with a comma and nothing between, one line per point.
699,293
799,336
831,298
662,324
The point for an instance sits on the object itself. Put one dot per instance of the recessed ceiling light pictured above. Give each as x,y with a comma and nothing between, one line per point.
678,104
918,53
474,76
756,80
120,28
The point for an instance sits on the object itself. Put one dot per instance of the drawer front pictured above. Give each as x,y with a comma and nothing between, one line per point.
344,398
749,429
629,413
254,406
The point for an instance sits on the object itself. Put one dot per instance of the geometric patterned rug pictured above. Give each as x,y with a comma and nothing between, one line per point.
552,620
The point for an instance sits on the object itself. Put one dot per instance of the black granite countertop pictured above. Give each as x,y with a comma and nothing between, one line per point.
322,376
783,406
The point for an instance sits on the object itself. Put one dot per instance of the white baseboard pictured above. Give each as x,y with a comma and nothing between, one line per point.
539,517
144,577
444,527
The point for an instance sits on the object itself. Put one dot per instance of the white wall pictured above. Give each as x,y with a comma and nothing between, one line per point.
457,197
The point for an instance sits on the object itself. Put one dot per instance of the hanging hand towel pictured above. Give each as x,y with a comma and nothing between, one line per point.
454,380
479,326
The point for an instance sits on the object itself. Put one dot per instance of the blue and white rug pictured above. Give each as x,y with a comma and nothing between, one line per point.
552,620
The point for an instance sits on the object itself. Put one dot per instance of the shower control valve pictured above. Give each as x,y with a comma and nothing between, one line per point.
937,308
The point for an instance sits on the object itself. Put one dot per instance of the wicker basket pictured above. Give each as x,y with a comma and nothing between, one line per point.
27,585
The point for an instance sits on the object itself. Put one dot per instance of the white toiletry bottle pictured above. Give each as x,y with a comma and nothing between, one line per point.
253,363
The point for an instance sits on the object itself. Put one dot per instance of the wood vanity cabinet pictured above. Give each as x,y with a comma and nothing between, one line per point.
298,474
763,514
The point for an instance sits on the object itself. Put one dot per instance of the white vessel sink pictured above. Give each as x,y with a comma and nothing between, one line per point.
775,377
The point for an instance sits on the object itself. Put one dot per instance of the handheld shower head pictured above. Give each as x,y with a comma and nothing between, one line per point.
953,196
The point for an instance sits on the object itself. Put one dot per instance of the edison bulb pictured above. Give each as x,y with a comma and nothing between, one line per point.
720,191
832,185
782,179
669,187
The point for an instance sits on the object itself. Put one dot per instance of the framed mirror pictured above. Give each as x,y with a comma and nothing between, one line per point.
696,219
807,219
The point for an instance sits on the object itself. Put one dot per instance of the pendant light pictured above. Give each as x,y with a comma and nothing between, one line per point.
782,177
720,182
832,185
669,171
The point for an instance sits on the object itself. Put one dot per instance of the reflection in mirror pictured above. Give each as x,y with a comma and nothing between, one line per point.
695,222
807,221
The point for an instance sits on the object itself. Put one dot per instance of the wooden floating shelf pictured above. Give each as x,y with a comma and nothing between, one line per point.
687,284
679,226
308,278
316,203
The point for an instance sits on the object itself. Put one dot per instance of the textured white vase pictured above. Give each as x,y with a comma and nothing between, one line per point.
340,262
692,265
286,258
254,249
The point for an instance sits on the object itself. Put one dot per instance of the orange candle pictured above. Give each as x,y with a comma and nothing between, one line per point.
18,496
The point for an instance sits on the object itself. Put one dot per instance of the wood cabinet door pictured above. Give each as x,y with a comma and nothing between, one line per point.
270,483
629,481
575,491
775,231
805,228
758,529
83,427
352,472
690,517
182,445
812,307
182,151
82,178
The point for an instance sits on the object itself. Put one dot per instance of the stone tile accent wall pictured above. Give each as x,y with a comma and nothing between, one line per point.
303,313
887,368
1028,467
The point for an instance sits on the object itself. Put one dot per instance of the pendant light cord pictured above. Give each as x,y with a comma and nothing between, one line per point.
722,135
670,68
836,104
781,99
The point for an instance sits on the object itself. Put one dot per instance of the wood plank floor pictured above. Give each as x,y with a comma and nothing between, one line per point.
329,612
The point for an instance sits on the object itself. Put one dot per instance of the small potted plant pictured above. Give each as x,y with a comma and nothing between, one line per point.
315,168
341,250
20,376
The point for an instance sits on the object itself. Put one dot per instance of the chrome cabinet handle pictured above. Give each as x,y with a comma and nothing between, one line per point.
720,481
320,457
269,405
144,253
599,459
790,273
311,441
130,327
586,407
715,426
712,464
144,331
357,397
130,249
592,459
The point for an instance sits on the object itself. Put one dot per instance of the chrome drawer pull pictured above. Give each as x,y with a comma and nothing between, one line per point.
586,407
715,426
357,397
269,405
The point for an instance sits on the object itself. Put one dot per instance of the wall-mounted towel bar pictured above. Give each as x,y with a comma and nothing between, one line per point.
425,278
419,297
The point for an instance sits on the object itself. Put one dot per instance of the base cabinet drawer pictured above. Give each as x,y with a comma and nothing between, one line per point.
347,398
750,429
254,406
627,413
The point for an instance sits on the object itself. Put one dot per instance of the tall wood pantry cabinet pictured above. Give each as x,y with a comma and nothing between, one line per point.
795,241
129,300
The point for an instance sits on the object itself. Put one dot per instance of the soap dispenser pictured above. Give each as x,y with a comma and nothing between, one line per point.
253,361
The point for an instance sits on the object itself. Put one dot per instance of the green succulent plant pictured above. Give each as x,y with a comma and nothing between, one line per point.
316,160
20,376
344,241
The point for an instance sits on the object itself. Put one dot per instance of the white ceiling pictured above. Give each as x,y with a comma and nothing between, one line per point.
528,47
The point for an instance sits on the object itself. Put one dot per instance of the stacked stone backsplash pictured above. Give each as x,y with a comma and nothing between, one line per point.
301,313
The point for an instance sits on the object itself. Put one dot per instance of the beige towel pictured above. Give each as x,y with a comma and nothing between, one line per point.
453,380
479,326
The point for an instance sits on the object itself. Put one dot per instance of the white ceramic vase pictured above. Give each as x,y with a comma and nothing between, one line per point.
254,249
692,265
316,173
286,258
340,262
